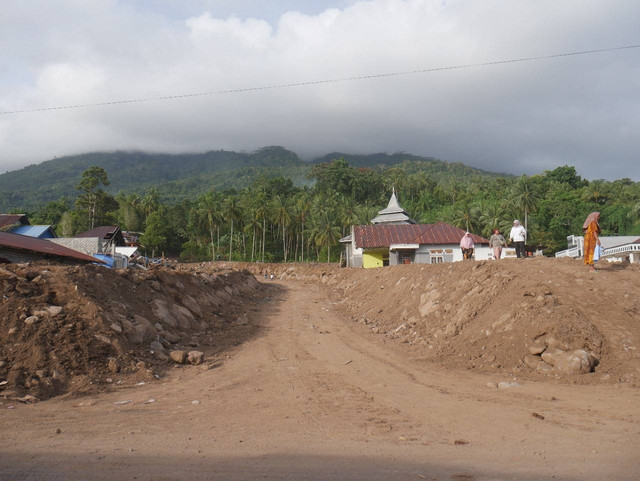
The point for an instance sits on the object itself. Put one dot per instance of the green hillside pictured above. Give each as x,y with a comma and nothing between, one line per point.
134,171
180,176
435,168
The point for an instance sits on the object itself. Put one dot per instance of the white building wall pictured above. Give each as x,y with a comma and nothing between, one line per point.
483,253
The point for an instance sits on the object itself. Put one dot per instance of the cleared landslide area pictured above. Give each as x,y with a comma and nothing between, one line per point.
518,369
536,318
78,330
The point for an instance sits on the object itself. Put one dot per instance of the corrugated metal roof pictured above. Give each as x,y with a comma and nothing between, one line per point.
383,235
103,232
616,241
16,241
33,230
443,233
10,219
372,236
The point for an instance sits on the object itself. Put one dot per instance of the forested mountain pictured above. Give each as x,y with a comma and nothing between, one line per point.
271,205
138,171
181,176
437,169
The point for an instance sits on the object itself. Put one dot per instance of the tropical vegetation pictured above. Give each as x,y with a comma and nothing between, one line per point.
273,219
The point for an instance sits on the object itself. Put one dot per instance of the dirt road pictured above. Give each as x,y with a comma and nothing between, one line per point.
314,396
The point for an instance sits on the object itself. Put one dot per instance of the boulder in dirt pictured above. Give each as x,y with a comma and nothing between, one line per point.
532,361
576,362
537,349
553,342
156,346
195,357
179,357
113,365
144,327
169,336
54,310
31,320
103,338
507,385
544,368
551,355
116,327
451,329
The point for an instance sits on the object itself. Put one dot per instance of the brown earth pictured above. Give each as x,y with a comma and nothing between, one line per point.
314,392
485,316
106,324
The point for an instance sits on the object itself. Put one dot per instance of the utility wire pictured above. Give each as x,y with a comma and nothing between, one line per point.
320,82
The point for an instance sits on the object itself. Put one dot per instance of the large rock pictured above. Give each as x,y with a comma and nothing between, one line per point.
532,361
576,362
31,320
169,336
179,357
553,342
537,349
161,311
144,327
551,355
195,357
544,368
54,310
156,346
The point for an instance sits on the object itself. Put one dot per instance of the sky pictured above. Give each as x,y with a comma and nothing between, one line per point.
519,118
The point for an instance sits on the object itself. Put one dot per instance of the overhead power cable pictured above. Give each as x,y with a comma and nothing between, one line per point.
320,82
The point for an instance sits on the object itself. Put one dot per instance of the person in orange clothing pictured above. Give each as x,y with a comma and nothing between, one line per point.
591,229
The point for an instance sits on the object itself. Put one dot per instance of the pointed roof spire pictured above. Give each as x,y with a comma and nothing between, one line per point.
393,214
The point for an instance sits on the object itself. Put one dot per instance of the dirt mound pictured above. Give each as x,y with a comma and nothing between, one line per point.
531,318
81,329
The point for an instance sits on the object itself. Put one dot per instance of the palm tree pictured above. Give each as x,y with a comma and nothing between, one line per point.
303,206
526,198
232,212
283,219
326,232
349,213
150,201
467,216
492,218
596,191
634,213
209,209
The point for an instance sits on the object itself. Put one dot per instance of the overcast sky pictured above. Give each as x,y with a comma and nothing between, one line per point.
517,118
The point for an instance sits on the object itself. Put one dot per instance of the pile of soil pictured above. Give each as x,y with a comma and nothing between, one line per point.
82,329
531,318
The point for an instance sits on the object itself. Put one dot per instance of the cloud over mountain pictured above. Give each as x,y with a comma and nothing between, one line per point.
523,117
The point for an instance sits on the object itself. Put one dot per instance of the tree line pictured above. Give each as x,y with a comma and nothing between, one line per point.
274,221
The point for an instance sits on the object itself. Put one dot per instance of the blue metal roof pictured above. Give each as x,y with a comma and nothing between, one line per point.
37,231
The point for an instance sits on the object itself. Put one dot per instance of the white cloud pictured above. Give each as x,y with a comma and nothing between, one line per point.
522,117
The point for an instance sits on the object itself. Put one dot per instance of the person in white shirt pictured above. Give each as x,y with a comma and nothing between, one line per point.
518,236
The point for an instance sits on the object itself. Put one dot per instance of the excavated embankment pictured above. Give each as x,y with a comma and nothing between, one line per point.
534,318
83,329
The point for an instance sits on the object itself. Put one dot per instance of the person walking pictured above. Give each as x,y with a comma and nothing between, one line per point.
467,245
591,230
497,242
518,236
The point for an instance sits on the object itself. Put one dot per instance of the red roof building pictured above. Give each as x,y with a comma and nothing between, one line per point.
19,248
395,239
12,220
